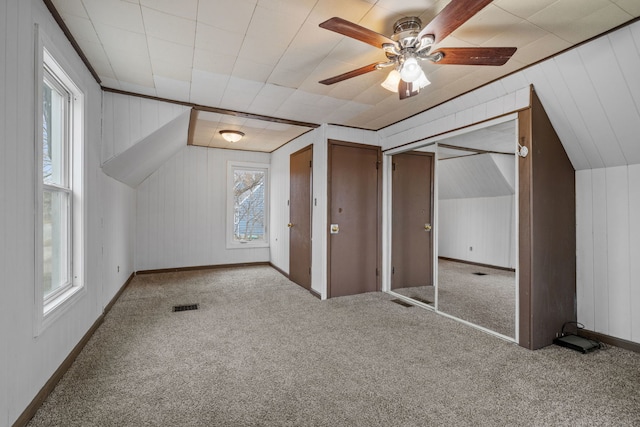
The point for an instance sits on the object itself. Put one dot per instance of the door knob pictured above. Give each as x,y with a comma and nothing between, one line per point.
427,227
289,225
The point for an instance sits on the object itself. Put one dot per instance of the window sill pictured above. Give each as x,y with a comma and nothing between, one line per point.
247,245
60,305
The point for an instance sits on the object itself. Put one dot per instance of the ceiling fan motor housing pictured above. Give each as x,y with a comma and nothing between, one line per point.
406,30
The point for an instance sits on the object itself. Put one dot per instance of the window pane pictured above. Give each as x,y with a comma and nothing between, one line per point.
55,236
249,198
53,133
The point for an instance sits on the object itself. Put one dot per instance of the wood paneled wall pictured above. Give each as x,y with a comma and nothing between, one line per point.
608,249
26,363
128,119
181,212
484,224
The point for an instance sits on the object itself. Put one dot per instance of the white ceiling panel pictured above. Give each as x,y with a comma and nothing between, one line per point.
198,50
172,89
230,15
116,13
84,29
71,8
523,9
207,88
187,9
217,41
632,7
170,51
220,64
170,28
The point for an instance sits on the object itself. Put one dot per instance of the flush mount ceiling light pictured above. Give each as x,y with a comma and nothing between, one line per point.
232,135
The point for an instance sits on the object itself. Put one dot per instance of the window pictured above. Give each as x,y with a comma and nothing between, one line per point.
59,179
247,204
56,187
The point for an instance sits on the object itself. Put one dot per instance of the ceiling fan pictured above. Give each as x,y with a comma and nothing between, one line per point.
410,43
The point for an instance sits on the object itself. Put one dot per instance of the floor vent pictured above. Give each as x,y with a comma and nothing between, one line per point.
480,274
424,301
185,307
402,303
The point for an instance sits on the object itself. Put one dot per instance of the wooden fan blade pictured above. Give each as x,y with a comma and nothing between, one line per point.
451,17
407,89
475,55
353,73
355,31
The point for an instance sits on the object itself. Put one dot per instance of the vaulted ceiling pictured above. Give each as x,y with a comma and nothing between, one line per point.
265,57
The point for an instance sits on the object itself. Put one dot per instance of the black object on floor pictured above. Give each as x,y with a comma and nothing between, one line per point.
574,342
480,274
185,307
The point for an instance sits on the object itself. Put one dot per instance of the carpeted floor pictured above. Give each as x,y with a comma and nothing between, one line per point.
261,351
487,300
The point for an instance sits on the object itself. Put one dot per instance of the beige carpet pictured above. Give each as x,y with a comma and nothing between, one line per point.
262,351
488,300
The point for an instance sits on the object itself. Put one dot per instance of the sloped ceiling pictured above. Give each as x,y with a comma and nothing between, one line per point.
475,176
267,56
135,164
592,96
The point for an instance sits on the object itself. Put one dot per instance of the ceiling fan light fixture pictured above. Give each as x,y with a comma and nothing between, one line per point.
392,81
232,135
422,81
411,70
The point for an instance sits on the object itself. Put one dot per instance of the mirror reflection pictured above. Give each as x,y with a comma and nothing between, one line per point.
477,226
473,276
412,236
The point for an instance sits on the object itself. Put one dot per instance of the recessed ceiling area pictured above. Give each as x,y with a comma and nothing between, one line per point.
266,57
259,135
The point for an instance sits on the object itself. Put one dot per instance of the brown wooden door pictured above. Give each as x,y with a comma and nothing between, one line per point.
412,238
300,193
354,207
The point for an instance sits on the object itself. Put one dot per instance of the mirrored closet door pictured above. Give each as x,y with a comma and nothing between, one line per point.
453,226
477,227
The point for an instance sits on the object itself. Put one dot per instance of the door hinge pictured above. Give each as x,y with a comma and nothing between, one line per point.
393,166
310,163
393,270
377,273
309,271
378,165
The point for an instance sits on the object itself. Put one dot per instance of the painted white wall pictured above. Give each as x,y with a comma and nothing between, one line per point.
118,207
26,363
129,119
485,224
139,161
608,245
496,99
181,212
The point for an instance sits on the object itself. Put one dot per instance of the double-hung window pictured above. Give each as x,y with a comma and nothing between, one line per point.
247,204
59,179
57,192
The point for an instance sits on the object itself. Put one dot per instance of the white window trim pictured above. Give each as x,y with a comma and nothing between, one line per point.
46,313
231,166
